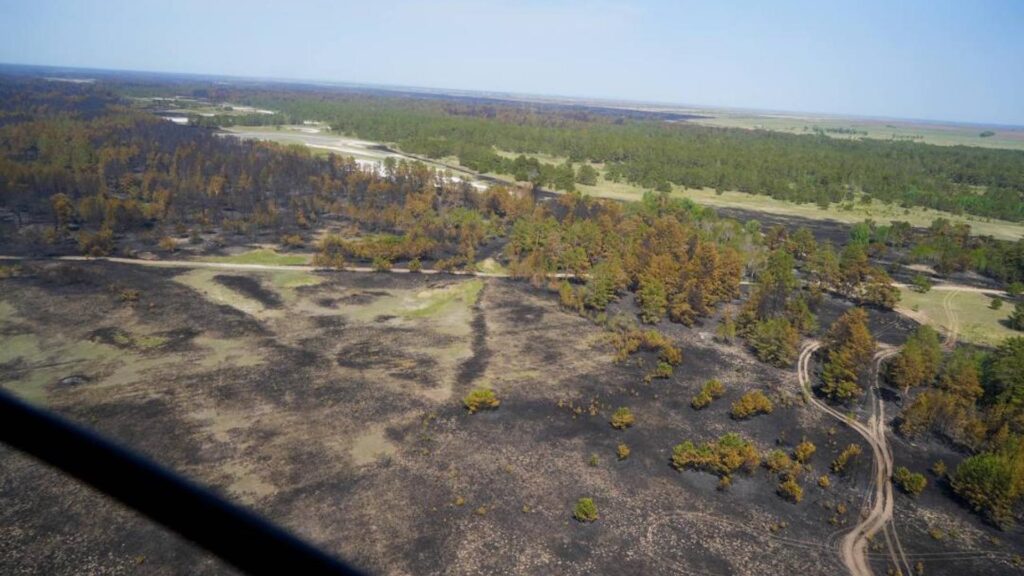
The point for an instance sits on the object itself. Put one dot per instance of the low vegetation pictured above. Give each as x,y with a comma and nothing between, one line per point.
751,404
722,457
622,451
842,461
481,399
913,483
585,510
622,418
711,391
803,451
791,490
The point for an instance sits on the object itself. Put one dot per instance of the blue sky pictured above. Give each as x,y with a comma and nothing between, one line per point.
914,59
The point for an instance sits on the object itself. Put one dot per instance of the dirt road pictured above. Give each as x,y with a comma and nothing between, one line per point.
952,321
854,545
264,267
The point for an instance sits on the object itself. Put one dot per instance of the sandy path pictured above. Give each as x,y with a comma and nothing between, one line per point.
952,321
269,267
854,545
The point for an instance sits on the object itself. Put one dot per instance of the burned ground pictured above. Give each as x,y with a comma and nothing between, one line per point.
332,404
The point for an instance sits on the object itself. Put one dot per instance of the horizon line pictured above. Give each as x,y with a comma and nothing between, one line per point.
609,102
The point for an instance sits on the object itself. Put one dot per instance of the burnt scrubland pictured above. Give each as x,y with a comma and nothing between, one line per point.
618,394
339,414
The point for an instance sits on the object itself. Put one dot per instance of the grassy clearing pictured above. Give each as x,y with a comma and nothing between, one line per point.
262,256
202,281
286,283
140,341
851,213
42,364
436,302
977,323
447,306
937,134
847,213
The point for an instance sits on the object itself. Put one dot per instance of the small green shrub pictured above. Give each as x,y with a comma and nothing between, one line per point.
851,451
480,399
99,244
912,483
622,451
415,265
722,457
622,418
791,490
585,510
711,391
381,264
778,461
751,404
804,451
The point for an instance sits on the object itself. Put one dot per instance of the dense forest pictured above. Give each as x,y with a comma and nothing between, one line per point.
654,151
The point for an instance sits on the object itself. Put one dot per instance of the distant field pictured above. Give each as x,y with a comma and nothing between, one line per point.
847,213
974,321
317,140
939,134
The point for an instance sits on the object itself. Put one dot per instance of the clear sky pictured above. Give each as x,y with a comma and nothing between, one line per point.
929,59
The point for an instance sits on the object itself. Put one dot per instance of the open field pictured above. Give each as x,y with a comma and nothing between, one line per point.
186,106
968,313
320,140
847,213
330,402
316,139
835,127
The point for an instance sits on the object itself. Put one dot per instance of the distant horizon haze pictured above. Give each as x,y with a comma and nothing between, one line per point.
939,62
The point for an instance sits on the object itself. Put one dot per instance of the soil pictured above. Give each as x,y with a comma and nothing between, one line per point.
335,410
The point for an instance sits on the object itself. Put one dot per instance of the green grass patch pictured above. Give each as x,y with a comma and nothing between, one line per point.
262,256
139,341
976,322
465,293
491,266
937,134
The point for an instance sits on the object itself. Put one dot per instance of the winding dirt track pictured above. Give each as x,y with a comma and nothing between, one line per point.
854,544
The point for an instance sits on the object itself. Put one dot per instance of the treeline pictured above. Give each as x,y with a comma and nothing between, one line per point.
781,307
653,153
974,400
679,260
947,246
